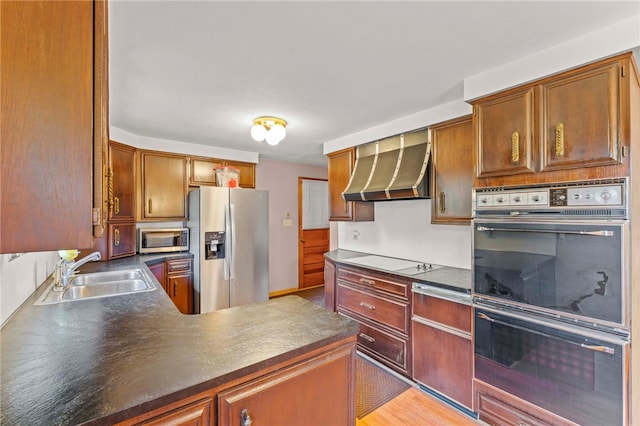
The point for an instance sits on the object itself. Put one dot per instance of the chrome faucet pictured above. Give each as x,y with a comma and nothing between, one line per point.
65,270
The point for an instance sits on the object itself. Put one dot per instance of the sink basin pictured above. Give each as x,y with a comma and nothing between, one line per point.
99,284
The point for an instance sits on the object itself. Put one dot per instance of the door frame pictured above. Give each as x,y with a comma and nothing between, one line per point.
300,231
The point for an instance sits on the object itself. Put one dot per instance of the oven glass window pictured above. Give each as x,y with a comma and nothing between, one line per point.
564,268
578,378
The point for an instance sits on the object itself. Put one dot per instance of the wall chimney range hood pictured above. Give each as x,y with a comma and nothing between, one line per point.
394,168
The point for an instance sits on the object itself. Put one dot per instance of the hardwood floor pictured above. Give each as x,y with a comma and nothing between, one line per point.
416,408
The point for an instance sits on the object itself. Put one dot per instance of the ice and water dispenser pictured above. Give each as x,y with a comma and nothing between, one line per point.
214,245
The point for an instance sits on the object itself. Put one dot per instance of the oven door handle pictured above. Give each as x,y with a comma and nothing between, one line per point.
595,348
547,231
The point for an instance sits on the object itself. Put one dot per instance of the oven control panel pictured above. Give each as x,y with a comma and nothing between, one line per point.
552,196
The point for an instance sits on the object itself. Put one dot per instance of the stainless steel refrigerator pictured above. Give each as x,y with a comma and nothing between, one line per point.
229,238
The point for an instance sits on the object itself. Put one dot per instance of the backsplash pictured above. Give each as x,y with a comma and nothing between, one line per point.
20,277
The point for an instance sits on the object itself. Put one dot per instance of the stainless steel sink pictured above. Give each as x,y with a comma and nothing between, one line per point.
99,284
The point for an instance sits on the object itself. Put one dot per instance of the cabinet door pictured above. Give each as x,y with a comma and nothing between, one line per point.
180,289
122,240
504,129
579,126
340,166
47,125
247,173
164,186
121,182
317,392
443,360
157,269
199,413
452,171
203,171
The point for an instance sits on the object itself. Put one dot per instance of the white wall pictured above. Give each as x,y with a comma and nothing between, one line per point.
20,277
281,179
403,229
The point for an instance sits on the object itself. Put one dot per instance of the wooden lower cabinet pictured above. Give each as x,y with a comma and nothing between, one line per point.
179,283
313,389
329,285
442,347
497,407
382,306
313,393
122,240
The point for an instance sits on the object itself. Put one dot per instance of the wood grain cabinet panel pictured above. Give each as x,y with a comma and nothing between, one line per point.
329,285
382,307
47,107
163,186
442,347
121,182
179,283
575,125
202,171
317,392
199,413
340,167
122,240
452,170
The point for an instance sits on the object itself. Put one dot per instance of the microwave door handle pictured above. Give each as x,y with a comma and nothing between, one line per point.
547,231
596,348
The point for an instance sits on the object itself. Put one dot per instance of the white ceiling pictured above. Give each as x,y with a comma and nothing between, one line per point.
201,71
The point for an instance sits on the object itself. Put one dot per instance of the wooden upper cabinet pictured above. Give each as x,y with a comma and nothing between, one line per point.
505,134
579,125
340,167
452,147
47,125
121,182
571,126
163,186
202,171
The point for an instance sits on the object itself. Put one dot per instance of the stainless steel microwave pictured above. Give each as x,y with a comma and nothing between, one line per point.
156,240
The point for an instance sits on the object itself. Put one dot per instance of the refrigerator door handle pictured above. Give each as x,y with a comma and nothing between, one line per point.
232,226
227,226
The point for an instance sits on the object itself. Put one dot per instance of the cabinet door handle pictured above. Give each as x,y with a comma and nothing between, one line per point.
175,288
150,205
110,188
367,338
560,140
116,205
366,281
368,306
442,206
515,147
245,417
116,238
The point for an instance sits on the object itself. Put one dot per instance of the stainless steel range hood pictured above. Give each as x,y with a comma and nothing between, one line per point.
394,168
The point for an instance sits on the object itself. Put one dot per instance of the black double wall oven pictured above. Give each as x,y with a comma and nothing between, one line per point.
550,272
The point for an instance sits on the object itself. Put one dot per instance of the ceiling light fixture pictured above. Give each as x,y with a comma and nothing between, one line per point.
270,129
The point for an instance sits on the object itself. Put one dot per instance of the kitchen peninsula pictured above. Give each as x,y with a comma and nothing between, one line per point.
133,358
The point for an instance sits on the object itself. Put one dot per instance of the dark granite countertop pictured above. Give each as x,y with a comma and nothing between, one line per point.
456,279
104,360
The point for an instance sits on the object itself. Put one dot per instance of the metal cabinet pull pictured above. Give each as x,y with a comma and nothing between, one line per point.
150,205
367,337
245,417
116,205
368,306
175,288
442,206
560,140
116,237
366,281
515,147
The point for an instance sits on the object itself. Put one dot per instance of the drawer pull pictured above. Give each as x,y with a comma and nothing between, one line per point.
245,417
366,281
367,337
368,306
175,288
116,238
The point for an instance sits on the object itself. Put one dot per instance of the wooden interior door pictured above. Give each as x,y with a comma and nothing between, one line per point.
312,242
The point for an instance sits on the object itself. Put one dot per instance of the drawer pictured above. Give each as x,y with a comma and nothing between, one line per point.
451,314
383,345
374,282
497,407
175,265
393,314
